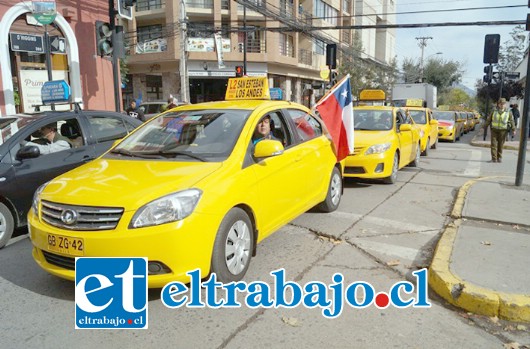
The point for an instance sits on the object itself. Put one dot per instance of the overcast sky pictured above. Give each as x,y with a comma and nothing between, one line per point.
463,44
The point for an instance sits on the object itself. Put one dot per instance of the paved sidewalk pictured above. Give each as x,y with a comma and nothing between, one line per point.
482,259
479,141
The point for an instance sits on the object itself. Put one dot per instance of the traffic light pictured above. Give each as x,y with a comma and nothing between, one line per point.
331,56
488,71
103,39
239,71
491,48
333,77
125,8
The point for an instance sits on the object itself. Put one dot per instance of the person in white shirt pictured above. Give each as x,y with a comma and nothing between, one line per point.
56,142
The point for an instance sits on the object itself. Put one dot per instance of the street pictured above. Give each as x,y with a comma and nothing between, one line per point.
380,234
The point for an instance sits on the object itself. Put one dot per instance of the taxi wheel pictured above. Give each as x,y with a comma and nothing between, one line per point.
334,193
435,144
427,147
233,246
416,161
6,225
395,168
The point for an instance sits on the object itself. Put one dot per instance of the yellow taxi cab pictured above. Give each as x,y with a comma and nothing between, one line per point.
449,128
466,119
386,140
428,126
195,187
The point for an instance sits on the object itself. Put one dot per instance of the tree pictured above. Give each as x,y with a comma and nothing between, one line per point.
511,52
457,98
438,72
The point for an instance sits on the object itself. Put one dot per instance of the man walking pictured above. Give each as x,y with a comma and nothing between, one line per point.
501,120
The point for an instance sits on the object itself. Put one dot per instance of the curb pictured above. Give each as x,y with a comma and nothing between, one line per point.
465,295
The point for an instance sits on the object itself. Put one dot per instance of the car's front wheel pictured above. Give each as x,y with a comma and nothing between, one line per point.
416,161
427,147
395,168
233,246
7,225
334,193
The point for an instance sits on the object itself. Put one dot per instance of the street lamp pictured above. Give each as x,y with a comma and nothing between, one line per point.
426,59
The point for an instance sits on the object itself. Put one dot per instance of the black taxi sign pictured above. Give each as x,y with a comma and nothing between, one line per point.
247,88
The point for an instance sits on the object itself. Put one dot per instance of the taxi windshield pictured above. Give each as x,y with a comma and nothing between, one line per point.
372,120
190,135
418,116
444,115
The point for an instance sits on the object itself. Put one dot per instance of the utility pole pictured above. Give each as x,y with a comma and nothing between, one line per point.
184,82
115,60
422,43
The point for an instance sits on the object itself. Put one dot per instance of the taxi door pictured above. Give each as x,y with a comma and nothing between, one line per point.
405,139
280,179
432,126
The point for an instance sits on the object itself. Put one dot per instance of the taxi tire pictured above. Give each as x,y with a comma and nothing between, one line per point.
7,225
334,193
435,144
219,264
395,168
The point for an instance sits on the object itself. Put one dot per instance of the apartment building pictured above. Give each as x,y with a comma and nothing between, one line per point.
283,42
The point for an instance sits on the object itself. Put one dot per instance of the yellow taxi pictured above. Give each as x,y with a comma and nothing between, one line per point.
195,187
428,126
386,140
449,126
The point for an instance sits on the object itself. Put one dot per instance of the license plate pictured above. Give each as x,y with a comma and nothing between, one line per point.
66,245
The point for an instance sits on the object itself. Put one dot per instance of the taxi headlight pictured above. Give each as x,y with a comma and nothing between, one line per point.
377,148
169,208
36,199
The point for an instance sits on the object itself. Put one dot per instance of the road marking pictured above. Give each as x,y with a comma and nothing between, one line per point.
473,165
17,239
389,223
388,249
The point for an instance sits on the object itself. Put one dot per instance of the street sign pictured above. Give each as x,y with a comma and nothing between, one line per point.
58,44
512,76
44,11
26,42
276,93
55,92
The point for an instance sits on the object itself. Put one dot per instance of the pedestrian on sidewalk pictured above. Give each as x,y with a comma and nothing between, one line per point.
516,115
500,120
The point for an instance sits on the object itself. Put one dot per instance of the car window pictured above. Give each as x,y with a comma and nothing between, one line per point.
307,126
418,116
279,129
106,128
372,119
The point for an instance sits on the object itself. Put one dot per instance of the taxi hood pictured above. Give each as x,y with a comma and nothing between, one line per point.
125,183
368,138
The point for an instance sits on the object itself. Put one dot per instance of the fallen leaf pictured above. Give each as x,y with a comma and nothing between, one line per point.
494,319
487,243
512,345
521,327
291,321
509,328
393,263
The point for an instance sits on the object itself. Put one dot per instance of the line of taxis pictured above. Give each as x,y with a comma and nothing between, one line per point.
454,124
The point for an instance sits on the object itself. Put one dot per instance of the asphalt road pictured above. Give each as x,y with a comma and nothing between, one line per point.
380,234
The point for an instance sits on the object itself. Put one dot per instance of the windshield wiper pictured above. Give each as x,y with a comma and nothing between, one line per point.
133,155
176,153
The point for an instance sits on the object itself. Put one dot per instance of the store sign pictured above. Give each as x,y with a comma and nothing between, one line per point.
207,45
31,82
57,91
157,45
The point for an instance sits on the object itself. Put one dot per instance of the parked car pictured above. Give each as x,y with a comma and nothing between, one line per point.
428,128
23,169
151,109
450,127
191,188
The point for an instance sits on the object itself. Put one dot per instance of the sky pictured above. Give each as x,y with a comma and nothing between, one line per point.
463,44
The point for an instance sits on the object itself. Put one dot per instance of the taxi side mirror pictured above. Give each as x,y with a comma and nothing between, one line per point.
267,148
433,122
29,152
405,127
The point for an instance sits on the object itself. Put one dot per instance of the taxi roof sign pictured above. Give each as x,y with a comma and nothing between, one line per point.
247,88
372,95
414,102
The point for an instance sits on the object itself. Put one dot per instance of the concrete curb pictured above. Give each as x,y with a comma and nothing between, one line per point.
465,295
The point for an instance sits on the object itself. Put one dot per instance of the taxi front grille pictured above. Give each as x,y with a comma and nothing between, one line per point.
74,217
59,261
354,170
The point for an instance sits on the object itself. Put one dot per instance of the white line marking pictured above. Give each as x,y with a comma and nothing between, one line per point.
388,249
383,222
473,166
17,239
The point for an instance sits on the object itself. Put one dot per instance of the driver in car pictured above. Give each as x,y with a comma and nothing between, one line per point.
55,142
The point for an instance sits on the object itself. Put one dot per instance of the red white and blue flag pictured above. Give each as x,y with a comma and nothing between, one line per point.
336,110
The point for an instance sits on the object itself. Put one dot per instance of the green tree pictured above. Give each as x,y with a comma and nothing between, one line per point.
511,52
457,97
438,72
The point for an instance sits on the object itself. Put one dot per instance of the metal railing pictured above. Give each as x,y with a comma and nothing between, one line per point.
253,46
305,57
286,50
199,4
225,4
346,36
147,5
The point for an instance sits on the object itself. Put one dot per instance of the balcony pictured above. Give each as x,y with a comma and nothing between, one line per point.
204,4
253,46
346,36
149,5
150,9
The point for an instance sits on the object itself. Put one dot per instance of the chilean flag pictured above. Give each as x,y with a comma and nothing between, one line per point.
336,109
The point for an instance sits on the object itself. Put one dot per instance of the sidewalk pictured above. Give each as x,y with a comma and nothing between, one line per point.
482,259
479,141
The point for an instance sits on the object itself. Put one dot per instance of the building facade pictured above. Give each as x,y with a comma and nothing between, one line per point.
191,43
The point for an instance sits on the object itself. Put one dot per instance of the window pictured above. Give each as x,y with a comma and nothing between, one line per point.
286,45
107,129
326,12
319,47
307,126
154,87
149,32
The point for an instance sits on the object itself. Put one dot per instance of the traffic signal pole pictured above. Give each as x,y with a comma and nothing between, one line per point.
524,129
115,60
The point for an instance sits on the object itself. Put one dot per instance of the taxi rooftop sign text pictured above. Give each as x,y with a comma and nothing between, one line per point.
247,88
